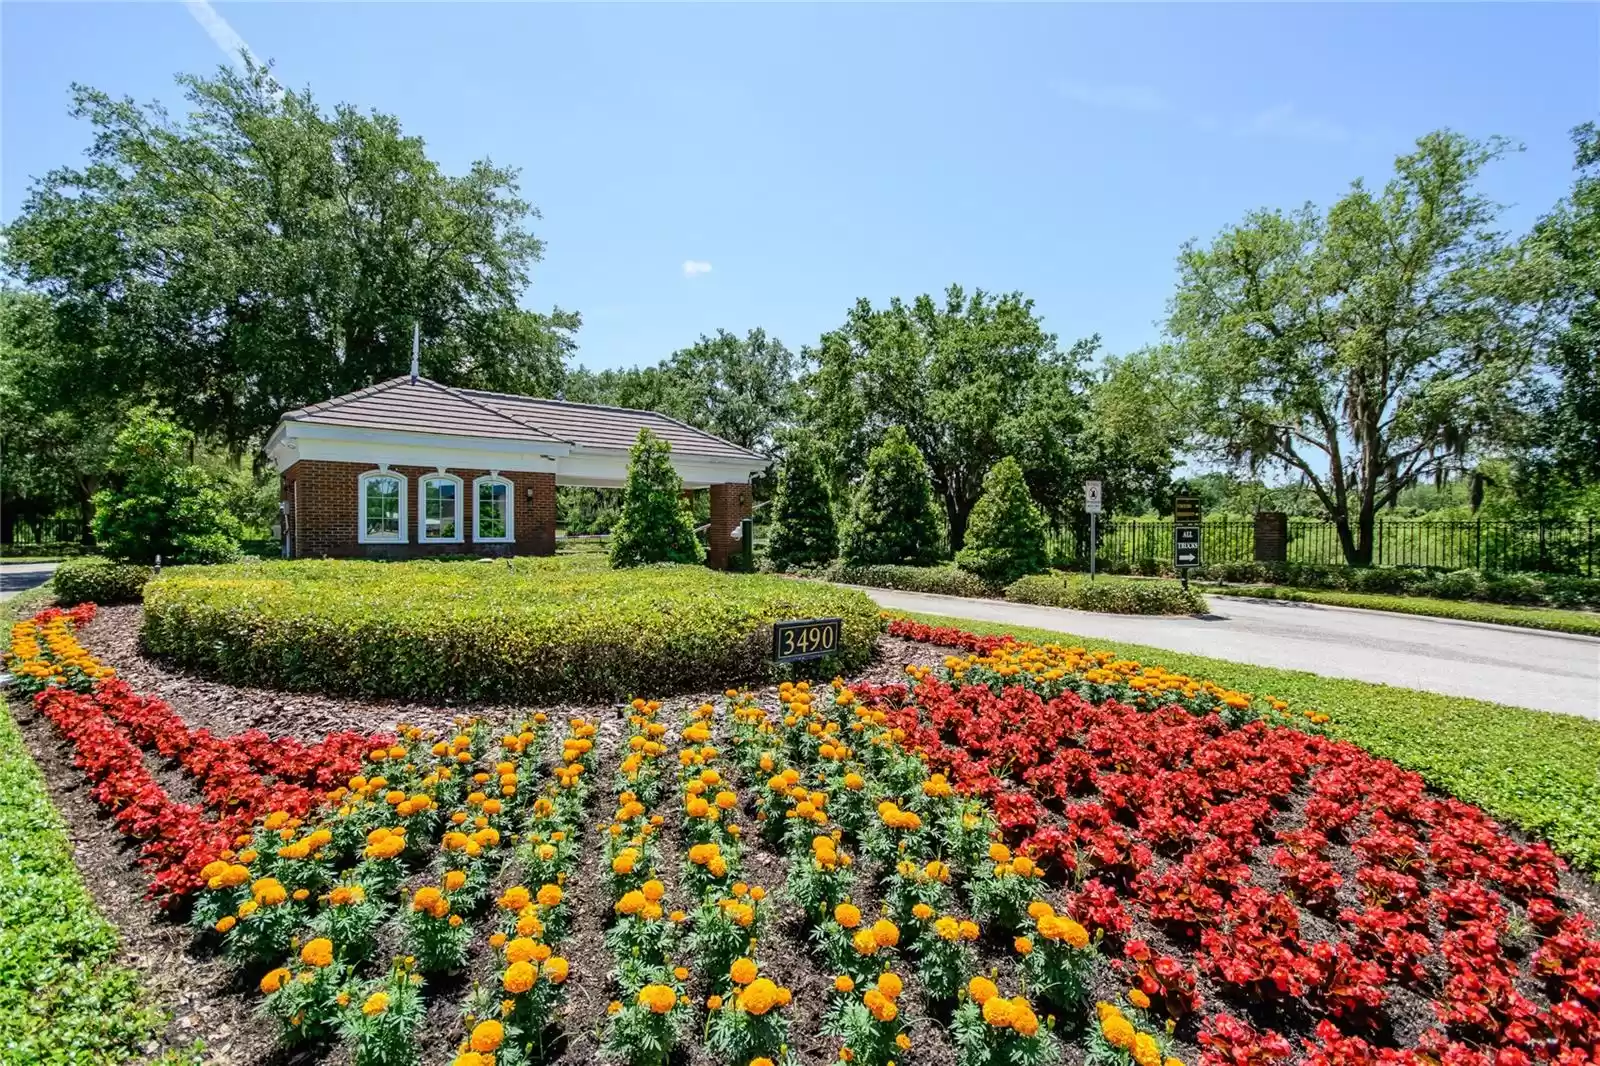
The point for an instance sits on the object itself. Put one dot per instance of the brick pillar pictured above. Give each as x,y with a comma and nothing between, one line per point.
731,503
536,516
1272,537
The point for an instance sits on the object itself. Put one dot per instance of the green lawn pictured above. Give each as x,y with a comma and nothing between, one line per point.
62,997
1537,770
1586,622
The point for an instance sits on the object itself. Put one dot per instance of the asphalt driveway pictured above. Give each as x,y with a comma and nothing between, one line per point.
1522,667
19,577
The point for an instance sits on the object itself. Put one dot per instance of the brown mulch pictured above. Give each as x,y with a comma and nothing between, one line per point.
211,1000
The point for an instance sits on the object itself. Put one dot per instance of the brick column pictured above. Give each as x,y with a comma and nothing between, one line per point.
536,516
1272,537
731,502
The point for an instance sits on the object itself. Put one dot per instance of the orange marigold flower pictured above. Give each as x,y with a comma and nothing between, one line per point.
317,952
487,1036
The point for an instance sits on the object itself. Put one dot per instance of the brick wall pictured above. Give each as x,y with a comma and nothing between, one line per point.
325,512
1272,537
730,502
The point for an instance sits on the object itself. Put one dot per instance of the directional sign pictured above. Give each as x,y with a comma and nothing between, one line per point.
1186,510
1185,547
1091,497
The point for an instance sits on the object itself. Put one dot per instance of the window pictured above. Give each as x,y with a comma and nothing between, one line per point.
491,518
382,503
440,511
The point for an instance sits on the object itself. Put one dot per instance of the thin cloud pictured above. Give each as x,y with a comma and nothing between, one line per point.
693,268
1114,97
1285,122
223,35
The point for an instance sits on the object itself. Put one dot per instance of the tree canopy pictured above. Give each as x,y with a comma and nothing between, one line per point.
261,253
1362,349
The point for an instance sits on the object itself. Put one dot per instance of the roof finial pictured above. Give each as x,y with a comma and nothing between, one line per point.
416,348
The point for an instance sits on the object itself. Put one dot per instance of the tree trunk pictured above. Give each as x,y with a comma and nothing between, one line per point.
1356,543
8,526
88,485
956,513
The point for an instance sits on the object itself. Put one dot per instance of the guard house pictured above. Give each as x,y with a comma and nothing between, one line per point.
410,467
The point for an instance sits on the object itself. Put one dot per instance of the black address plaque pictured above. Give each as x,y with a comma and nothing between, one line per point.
809,638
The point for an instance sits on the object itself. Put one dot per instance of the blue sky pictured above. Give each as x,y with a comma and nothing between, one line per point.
814,154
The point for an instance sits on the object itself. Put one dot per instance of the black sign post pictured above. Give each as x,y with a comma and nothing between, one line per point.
1185,536
810,638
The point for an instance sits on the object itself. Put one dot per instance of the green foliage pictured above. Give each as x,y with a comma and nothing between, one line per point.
260,253
655,525
1524,617
1385,322
534,631
1005,537
740,388
892,518
1540,771
939,580
803,530
62,998
1554,590
969,379
96,579
1108,594
586,511
159,503
1562,272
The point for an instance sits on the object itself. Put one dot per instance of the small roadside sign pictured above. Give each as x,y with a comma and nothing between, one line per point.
1186,510
1091,497
1185,547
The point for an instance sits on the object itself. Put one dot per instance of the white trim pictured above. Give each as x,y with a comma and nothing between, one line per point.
494,478
361,507
422,509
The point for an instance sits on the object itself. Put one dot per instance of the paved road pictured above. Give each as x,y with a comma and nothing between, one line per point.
1523,667
17,577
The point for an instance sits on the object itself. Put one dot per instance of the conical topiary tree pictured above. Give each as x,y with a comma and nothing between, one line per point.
891,517
803,530
656,526
1005,535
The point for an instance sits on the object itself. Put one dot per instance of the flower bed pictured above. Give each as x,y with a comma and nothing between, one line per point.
1304,881
1025,848
538,630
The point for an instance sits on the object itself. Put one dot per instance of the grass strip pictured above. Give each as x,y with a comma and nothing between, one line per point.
1584,622
1536,770
63,998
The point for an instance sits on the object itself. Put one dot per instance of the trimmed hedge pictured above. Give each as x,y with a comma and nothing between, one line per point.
940,580
1108,595
1527,589
537,630
63,997
96,579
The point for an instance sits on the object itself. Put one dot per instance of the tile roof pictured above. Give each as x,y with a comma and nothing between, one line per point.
594,426
429,407
424,406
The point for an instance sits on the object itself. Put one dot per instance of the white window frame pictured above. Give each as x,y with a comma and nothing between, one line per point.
422,508
361,507
511,504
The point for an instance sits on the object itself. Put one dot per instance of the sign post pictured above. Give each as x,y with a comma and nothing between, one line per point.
1092,502
1185,536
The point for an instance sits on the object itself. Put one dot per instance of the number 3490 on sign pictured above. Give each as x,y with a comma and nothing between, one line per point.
810,638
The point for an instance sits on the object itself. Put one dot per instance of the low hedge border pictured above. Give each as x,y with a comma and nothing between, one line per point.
939,580
96,579
1534,769
1560,591
535,631
62,997
1581,622
1108,595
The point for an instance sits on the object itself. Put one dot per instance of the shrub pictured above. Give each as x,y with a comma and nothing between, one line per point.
655,526
539,630
1456,585
803,530
1005,536
1155,596
158,503
941,580
892,518
96,579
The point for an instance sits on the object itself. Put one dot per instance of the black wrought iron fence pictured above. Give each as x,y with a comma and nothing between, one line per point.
1497,545
47,531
